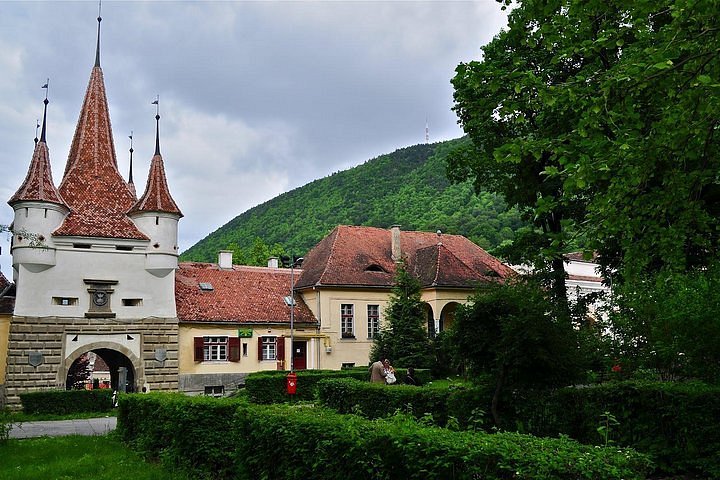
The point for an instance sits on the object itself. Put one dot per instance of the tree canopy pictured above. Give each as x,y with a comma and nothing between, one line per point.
602,116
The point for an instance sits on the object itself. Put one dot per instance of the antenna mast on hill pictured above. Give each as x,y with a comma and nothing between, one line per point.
427,131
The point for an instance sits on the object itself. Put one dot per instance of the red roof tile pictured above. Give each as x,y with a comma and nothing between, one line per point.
361,256
241,295
92,186
157,196
38,184
7,295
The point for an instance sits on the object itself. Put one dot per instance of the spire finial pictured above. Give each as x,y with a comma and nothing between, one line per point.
97,49
46,101
37,127
157,125
130,179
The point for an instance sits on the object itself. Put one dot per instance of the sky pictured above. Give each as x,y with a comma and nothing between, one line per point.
256,98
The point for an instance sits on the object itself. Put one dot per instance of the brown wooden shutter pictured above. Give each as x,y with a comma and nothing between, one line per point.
199,349
281,349
234,348
260,345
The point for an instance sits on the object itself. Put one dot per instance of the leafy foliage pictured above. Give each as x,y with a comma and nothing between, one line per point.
407,187
669,323
607,113
509,330
270,387
403,338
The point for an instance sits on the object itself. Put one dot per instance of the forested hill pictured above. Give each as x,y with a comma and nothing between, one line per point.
407,187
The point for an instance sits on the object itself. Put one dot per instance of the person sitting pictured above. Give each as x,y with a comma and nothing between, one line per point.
410,378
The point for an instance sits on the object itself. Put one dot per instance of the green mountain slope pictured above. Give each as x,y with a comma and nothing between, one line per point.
407,187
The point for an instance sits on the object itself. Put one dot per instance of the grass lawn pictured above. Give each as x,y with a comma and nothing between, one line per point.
77,458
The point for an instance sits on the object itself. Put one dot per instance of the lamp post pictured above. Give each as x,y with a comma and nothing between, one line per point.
290,301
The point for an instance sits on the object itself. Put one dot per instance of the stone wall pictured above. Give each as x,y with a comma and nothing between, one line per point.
50,337
194,384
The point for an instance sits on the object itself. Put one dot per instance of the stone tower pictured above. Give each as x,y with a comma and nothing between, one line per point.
102,279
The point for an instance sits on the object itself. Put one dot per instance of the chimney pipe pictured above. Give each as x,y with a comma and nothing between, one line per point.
225,259
395,243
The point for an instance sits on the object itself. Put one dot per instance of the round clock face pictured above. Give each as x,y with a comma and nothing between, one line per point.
100,298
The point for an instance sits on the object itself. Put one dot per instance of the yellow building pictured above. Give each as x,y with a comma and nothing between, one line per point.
7,303
347,279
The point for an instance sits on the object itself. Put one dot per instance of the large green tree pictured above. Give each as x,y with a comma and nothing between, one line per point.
509,331
403,338
600,120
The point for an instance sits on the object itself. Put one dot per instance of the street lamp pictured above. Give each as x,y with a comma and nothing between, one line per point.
290,301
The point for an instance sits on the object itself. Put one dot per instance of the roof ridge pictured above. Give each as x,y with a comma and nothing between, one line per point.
336,230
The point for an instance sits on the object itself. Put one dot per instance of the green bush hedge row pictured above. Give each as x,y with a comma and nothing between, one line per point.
195,433
62,402
676,423
233,439
270,387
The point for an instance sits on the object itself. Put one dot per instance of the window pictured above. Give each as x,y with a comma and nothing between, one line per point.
268,348
132,302
64,301
347,365
347,320
215,348
245,349
373,320
215,391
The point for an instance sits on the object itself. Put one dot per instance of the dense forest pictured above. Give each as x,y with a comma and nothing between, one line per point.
408,187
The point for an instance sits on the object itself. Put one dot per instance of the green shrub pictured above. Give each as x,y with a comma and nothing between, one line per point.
194,433
328,445
674,423
378,400
270,387
61,402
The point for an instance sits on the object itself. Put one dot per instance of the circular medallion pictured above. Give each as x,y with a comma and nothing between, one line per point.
100,298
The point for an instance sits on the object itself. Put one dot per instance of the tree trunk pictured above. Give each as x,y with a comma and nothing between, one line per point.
496,395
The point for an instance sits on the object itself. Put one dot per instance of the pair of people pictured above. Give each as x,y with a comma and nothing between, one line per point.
383,372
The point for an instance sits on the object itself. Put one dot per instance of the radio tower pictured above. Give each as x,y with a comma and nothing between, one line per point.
427,131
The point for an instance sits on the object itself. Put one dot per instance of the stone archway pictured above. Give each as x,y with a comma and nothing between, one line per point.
116,357
447,315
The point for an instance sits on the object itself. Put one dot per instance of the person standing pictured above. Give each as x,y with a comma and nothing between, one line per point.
377,372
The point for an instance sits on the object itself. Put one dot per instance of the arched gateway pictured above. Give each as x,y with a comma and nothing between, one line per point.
116,358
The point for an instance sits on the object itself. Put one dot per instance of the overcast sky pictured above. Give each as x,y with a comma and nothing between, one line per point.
256,98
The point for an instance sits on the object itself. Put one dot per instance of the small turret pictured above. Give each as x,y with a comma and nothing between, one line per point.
157,215
39,209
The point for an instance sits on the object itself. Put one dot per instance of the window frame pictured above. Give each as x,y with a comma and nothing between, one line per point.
373,321
216,348
346,318
267,347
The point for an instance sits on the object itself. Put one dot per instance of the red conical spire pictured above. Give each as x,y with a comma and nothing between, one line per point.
157,196
38,184
92,185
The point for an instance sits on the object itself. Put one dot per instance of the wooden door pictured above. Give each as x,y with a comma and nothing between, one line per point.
300,354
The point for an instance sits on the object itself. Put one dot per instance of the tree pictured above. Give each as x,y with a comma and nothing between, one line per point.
508,330
403,338
606,115
79,373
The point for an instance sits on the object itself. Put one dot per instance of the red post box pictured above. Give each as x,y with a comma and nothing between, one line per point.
291,383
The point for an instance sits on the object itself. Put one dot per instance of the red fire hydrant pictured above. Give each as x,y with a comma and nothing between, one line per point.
291,383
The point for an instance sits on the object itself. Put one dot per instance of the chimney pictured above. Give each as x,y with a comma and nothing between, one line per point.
395,243
273,262
225,259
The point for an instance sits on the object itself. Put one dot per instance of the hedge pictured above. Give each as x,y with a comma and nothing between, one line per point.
62,402
195,433
306,442
676,423
270,387
372,400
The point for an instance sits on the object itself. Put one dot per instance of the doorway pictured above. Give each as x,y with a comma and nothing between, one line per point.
300,354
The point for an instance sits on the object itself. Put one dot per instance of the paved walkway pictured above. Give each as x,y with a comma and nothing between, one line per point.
59,428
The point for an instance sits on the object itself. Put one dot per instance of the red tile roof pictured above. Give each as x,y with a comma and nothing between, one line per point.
242,295
7,295
98,196
361,256
38,184
157,196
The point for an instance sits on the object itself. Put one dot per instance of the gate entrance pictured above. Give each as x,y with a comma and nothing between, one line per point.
100,368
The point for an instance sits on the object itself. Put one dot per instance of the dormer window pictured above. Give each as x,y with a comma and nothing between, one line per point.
374,267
